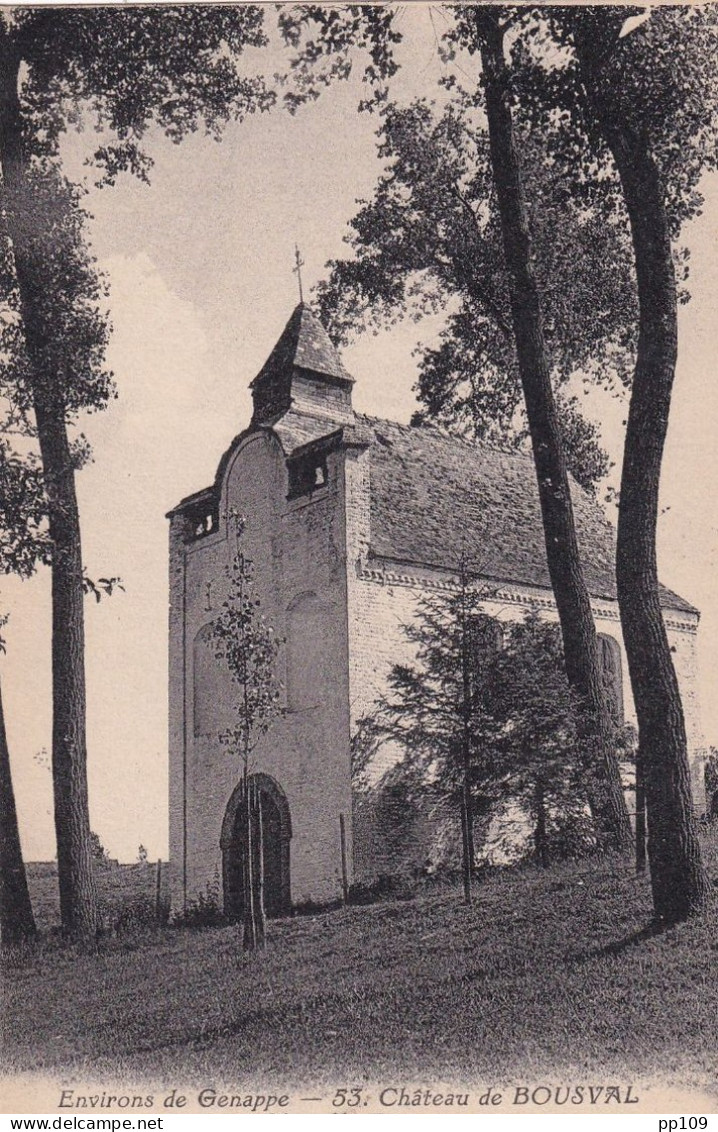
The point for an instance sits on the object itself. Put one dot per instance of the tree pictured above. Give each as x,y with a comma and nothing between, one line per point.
484,714
536,721
564,563
23,542
248,647
16,919
126,70
433,212
434,709
98,851
48,376
429,239
651,102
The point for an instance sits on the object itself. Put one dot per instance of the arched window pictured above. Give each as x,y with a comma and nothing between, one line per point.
307,647
610,658
212,686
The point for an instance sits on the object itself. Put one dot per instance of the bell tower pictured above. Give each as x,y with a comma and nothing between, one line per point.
303,372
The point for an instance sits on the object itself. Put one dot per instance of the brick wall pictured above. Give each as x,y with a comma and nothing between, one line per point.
322,399
298,552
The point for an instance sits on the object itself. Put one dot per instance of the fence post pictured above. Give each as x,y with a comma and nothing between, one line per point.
158,890
343,840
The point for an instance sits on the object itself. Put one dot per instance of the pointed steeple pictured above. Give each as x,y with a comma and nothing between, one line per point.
304,370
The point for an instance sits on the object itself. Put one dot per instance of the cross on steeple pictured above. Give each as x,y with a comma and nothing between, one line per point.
298,271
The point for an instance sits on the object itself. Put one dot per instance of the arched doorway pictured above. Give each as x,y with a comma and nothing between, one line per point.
276,835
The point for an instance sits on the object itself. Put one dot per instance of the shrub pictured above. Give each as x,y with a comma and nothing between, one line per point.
98,851
205,911
386,886
316,907
571,834
139,914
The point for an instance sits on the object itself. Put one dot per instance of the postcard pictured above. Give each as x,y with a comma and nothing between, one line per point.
358,546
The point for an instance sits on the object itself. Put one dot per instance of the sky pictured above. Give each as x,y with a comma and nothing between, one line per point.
199,267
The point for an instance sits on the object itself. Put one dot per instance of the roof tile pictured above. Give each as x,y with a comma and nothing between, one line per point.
435,498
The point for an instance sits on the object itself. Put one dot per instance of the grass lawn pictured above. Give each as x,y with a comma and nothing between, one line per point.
548,975
118,886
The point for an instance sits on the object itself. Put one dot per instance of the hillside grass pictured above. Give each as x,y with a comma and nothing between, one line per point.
550,974
119,886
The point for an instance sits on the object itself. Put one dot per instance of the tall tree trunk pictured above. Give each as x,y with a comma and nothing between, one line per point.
16,918
467,816
540,832
78,897
678,879
466,839
640,816
572,598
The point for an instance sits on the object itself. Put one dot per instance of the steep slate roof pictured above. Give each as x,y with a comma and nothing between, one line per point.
433,496
304,343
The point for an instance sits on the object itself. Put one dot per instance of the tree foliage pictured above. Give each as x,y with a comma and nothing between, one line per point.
536,724
430,709
23,512
659,69
124,71
67,357
430,240
23,544
328,41
512,730
248,646
99,854
434,711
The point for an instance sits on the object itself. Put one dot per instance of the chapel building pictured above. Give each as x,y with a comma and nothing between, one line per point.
349,521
